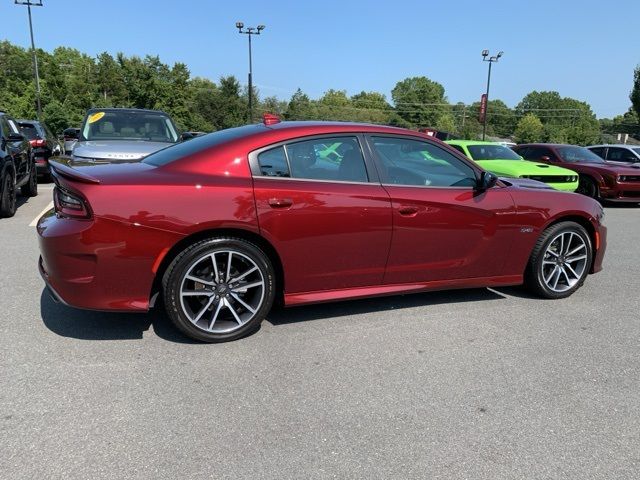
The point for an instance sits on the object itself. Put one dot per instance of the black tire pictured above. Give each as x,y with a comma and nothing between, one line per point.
8,196
587,186
30,189
188,259
534,274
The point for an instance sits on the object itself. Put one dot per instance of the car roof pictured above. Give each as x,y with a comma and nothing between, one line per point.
620,145
117,109
547,145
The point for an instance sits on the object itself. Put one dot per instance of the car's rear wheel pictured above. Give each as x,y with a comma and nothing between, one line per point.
30,189
587,186
560,261
8,198
219,289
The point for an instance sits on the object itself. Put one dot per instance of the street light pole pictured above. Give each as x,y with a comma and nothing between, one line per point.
250,31
485,54
29,4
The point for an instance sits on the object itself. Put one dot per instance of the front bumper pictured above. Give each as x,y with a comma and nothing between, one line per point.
564,187
601,247
622,192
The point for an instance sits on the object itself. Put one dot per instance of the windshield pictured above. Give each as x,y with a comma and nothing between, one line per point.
578,154
492,152
129,125
29,130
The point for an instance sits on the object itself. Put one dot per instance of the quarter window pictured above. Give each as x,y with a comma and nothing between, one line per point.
273,163
415,162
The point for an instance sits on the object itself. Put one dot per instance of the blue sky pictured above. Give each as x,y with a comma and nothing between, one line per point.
585,49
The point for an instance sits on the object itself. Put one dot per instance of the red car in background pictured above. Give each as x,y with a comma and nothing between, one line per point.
598,179
304,212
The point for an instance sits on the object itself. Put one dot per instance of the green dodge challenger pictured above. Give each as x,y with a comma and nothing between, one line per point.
504,162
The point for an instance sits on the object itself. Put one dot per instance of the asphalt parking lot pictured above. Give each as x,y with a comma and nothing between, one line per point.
469,384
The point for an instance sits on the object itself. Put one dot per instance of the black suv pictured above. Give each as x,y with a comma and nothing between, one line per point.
44,144
17,166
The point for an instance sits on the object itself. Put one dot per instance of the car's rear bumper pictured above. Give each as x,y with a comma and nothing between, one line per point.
100,264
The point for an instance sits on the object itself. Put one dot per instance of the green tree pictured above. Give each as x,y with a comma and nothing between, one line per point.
300,107
529,129
419,101
562,117
635,91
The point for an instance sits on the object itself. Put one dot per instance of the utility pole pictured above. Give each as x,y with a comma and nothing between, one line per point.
250,31
29,4
485,54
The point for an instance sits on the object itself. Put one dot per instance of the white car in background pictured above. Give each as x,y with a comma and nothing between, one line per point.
620,154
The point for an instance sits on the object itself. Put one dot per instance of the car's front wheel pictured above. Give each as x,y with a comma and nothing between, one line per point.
219,289
587,186
560,261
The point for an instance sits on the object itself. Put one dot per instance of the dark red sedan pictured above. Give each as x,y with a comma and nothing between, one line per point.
306,212
598,179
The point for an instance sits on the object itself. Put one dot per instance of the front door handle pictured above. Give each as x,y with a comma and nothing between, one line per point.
280,202
408,211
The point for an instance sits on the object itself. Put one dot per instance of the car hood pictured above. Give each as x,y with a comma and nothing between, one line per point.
526,183
109,151
607,167
517,168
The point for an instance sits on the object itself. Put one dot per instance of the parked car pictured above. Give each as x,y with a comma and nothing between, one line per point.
44,144
598,179
110,135
17,166
504,162
70,137
224,224
621,154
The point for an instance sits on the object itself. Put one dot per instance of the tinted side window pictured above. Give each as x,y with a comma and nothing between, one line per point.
459,148
620,155
598,151
273,163
337,158
414,162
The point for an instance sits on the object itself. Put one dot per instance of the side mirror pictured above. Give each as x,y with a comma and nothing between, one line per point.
545,158
186,136
15,137
486,181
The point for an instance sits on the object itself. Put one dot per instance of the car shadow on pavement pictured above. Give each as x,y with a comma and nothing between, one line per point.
90,325
284,316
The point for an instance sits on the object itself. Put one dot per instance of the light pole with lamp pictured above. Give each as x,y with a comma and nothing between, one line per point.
250,31
485,54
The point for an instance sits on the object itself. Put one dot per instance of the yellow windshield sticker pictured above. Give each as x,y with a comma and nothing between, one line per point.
95,117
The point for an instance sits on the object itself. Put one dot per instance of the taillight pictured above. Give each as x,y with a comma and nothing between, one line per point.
38,142
69,204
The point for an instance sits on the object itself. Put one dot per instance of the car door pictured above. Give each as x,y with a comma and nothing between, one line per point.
443,228
322,207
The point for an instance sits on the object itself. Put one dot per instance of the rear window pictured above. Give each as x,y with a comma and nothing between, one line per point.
29,130
197,144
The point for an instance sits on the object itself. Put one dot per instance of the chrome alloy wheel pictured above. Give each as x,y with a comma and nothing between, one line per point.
564,262
222,291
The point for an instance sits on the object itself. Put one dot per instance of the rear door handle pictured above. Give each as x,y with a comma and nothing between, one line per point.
408,211
280,202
